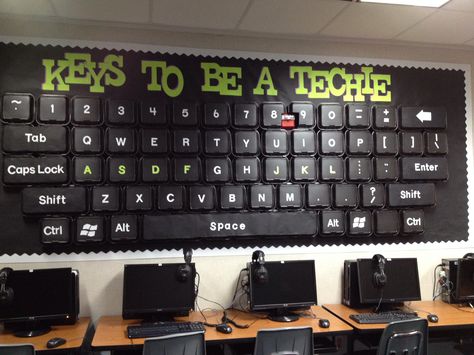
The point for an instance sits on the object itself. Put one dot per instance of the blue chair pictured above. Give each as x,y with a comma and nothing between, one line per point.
176,344
284,341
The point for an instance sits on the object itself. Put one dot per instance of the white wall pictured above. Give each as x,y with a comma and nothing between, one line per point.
101,281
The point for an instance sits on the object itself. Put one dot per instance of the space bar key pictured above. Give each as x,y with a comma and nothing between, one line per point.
205,225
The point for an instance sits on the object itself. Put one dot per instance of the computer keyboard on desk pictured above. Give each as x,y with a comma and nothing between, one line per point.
382,317
150,330
97,166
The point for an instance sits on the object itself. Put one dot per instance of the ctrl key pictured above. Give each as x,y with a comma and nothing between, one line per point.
55,230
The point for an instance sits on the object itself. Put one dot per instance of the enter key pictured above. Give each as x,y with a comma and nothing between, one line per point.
424,168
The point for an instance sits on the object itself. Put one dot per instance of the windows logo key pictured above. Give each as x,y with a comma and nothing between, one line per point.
90,229
360,223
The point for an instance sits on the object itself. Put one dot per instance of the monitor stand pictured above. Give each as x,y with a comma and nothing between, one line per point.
388,307
32,332
159,318
283,315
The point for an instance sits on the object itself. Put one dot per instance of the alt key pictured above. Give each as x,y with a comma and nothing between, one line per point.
55,230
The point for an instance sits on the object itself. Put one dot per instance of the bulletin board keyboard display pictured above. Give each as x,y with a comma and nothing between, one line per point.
106,150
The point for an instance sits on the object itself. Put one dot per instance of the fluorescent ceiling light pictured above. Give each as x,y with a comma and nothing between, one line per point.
427,3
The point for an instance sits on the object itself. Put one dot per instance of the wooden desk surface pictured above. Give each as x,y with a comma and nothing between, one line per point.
450,316
111,331
74,335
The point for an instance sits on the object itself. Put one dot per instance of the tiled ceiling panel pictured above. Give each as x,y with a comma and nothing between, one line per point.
136,11
446,27
210,14
290,17
375,21
27,7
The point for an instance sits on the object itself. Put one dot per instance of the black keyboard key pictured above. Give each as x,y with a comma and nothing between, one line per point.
436,143
187,169
276,142
271,114
332,223
303,142
411,142
386,169
359,169
87,169
154,169
359,142
153,113
261,197
332,169
86,110
105,198
121,112
423,117
276,169
305,112
216,115
385,117
358,116
186,142
289,196
331,142
49,200
120,140
52,109
372,195
386,143
185,114
87,140
246,143
217,170
245,115
122,169
40,139
232,197
170,198
386,222
359,223
17,107
330,116
413,221
424,168
32,170
318,195
247,169
407,195
345,195
123,228
304,169
217,142
55,230
154,141
90,229
201,198
138,198
197,225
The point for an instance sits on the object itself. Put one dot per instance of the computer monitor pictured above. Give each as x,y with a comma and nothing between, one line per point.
465,280
41,298
157,292
402,283
290,285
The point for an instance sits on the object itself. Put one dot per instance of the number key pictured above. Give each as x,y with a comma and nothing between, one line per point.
86,110
121,112
216,115
185,114
305,114
52,109
272,114
245,115
153,113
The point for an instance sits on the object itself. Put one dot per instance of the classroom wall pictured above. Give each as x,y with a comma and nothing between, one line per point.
101,280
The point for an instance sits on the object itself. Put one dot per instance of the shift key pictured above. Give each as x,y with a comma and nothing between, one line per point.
47,200
406,195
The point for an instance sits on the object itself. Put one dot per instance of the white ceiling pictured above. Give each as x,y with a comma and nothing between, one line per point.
453,24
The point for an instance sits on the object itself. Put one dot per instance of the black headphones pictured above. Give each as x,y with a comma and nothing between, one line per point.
185,271
6,293
379,277
260,273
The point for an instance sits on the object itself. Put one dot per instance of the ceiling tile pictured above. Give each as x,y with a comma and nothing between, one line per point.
447,27
375,21
299,17
27,7
104,10
212,14
460,5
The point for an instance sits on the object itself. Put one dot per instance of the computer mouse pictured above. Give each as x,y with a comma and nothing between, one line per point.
432,318
224,328
55,342
324,323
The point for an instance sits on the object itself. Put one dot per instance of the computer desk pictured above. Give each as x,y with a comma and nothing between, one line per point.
111,331
75,336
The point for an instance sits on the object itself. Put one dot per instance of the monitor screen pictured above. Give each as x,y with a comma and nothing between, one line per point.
465,281
291,284
40,295
403,283
153,289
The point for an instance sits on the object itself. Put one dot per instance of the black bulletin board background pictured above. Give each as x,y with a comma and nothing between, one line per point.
21,71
